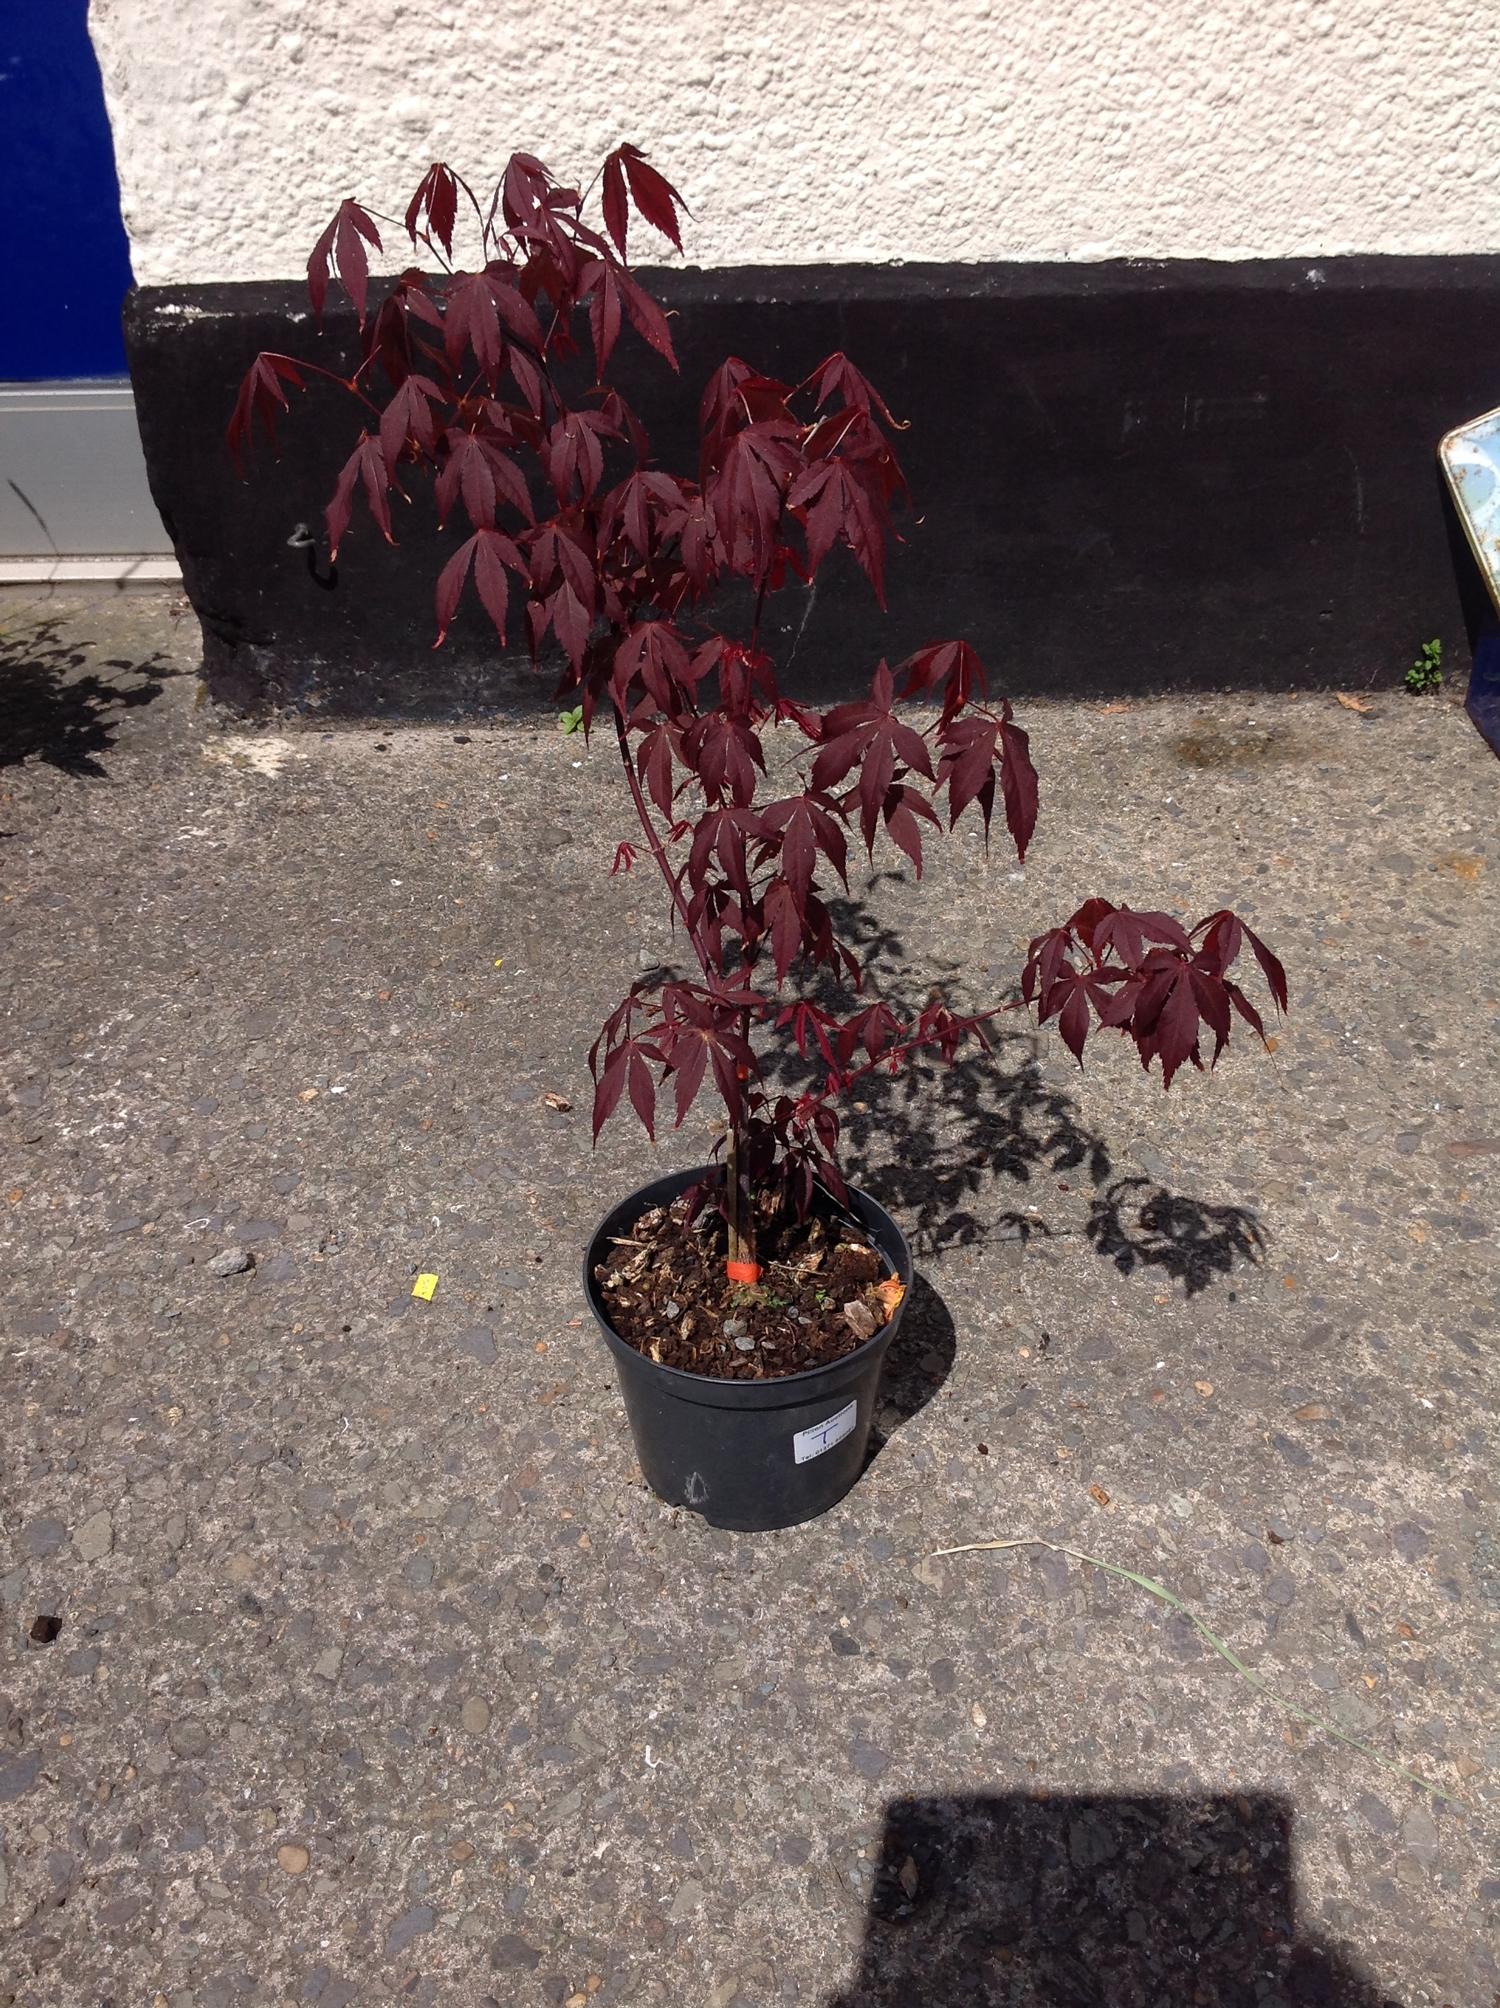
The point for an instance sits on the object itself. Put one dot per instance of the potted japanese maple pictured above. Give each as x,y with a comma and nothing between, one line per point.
749,1303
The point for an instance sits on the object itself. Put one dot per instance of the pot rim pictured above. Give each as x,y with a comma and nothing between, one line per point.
682,1180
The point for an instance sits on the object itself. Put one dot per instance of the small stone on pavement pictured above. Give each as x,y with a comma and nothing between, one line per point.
411,1924
95,1537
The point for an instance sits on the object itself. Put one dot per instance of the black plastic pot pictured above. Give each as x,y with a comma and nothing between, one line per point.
751,1455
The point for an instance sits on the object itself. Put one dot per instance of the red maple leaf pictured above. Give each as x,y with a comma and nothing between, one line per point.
342,247
261,396
366,465
433,210
489,552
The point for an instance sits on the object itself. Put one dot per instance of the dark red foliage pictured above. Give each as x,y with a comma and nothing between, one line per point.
560,511
1144,975
342,246
261,396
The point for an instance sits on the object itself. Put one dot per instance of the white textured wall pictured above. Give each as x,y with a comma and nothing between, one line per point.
804,130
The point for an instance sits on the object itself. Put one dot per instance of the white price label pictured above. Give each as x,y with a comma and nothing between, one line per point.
809,1443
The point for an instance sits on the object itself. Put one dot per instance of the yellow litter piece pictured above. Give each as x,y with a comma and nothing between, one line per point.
424,1287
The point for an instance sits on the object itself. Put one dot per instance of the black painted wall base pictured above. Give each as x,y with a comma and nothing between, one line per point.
1131,477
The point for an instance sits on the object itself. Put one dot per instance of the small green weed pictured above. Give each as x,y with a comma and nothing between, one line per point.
571,721
1426,673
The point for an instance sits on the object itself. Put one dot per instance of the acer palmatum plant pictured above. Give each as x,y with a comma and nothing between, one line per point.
570,529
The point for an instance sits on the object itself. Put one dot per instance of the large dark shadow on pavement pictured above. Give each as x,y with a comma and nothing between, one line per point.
940,1145
1015,1902
53,706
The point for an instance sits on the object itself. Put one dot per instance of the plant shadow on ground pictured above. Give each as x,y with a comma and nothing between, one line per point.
55,708
933,1143
1093,1902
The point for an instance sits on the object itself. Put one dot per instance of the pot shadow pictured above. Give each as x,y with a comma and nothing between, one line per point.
917,1362
54,708
938,1144
1093,1902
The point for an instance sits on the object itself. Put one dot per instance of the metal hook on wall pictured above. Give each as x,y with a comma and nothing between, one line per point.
302,539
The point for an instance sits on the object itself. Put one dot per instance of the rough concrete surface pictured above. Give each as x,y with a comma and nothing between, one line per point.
377,1675
802,131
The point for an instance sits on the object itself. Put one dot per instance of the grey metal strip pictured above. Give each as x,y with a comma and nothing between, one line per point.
72,477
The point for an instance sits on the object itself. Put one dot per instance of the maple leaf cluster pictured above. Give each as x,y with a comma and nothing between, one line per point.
571,528
1146,976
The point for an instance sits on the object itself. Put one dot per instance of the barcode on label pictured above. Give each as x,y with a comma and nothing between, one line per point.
809,1443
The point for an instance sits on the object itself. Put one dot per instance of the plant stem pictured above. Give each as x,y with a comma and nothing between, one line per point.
653,839
742,1229
741,1247
350,384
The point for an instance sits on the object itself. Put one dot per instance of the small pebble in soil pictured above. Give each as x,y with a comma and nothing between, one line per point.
671,1308
743,1343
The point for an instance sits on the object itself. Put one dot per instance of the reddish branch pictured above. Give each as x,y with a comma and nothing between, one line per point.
612,559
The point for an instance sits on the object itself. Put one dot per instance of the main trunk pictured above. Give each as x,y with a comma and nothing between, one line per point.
738,1210
742,1265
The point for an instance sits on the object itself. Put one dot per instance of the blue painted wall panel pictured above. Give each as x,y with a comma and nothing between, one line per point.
59,199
